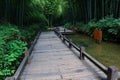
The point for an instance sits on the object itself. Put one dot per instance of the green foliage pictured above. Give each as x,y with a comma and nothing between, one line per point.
81,27
80,24
44,28
11,59
91,26
68,25
47,11
110,27
50,7
12,45
36,17
28,33
8,32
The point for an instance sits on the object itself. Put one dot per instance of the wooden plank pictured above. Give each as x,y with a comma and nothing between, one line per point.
52,60
24,61
64,31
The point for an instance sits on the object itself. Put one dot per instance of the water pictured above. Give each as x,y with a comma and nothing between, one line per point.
107,53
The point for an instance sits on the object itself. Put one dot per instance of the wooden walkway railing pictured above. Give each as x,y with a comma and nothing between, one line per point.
64,31
24,61
111,71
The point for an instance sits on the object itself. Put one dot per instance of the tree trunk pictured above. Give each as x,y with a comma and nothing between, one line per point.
21,13
72,11
95,9
90,10
111,4
116,10
51,20
102,8
6,10
106,7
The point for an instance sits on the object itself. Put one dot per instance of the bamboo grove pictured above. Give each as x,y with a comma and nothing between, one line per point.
20,12
98,9
20,20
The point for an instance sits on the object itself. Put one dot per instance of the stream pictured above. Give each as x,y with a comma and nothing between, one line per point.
105,52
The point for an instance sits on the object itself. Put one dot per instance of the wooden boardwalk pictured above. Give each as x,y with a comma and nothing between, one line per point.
64,30
53,60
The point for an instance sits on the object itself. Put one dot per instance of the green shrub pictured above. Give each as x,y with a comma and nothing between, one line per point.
87,28
13,42
68,25
91,26
80,26
10,60
29,32
110,27
44,28
9,32
11,49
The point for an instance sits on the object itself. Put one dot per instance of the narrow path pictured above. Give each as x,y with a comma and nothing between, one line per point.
64,30
52,60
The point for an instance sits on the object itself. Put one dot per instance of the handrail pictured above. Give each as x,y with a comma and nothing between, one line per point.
111,72
118,74
98,64
24,61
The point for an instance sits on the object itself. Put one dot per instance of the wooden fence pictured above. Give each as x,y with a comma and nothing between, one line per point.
24,61
111,71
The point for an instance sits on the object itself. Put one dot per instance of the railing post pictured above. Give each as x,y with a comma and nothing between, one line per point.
82,49
60,36
112,73
57,29
63,39
64,30
27,54
118,75
70,41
